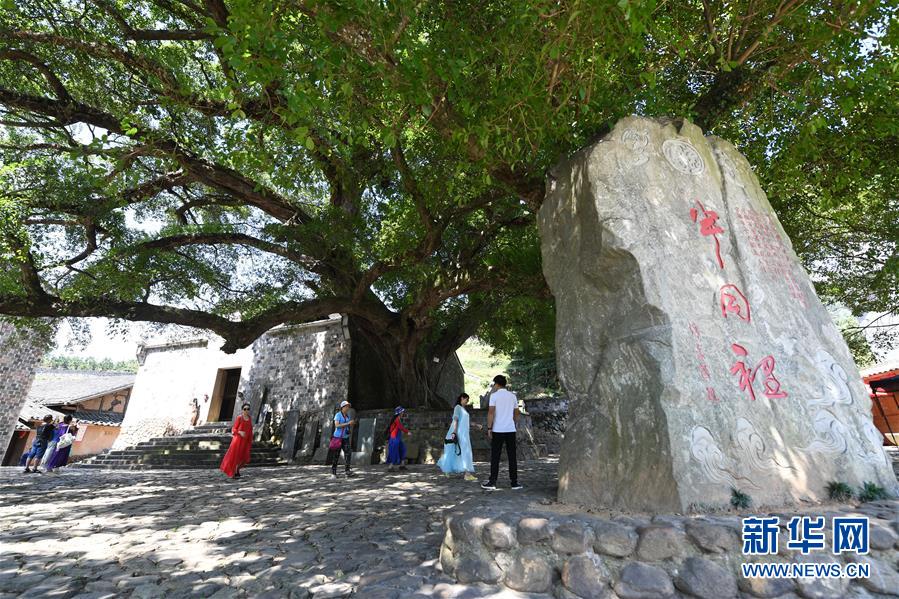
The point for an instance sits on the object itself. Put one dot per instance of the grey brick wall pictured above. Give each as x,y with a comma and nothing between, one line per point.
20,352
304,368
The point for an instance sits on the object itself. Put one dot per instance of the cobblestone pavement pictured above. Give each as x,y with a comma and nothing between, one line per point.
278,532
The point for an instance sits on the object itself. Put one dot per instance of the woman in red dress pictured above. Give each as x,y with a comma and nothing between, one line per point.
239,452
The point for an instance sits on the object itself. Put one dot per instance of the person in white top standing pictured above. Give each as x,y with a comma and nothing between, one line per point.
502,416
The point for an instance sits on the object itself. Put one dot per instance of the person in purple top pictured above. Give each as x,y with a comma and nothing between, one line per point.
61,455
58,432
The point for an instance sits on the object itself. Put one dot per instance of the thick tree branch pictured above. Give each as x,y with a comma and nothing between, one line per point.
55,84
193,239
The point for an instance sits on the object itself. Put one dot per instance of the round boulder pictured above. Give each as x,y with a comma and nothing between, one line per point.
533,530
705,579
530,572
660,542
643,581
499,535
571,538
586,576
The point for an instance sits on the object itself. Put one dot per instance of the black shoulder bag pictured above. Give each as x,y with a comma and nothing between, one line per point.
453,440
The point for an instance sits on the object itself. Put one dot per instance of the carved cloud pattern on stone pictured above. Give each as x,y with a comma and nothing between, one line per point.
715,465
835,381
754,450
830,434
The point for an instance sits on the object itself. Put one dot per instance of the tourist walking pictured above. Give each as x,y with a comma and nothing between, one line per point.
63,449
502,417
396,449
58,432
238,454
457,457
194,411
42,438
60,429
341,437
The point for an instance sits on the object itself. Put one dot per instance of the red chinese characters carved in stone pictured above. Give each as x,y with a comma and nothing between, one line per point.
772,385
708,225
734,302
747,375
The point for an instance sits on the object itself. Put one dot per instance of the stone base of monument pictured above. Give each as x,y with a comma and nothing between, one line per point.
534,548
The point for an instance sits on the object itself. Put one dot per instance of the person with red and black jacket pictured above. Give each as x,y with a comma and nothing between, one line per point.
396,449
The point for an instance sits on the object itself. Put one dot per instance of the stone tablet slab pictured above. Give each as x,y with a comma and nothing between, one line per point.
695,352
321,454
307,445
291,430
366,442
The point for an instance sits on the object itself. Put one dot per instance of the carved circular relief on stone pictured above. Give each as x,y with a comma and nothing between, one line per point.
637,142
683,157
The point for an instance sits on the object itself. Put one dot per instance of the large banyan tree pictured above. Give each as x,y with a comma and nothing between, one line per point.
237,164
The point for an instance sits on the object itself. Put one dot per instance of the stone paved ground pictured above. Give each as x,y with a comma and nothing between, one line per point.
278,532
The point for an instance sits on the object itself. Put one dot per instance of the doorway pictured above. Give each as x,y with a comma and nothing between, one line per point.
227,384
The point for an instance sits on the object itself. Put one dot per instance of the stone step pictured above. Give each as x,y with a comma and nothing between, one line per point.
196,463
95,466
180,438
203,446
157,457
151,459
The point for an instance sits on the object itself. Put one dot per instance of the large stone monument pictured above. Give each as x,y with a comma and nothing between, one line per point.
696,355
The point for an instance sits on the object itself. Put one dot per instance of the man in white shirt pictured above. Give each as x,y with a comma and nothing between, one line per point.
502,416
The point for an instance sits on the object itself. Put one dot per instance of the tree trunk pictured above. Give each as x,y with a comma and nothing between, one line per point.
389,370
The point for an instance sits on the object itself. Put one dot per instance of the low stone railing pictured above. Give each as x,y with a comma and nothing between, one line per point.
631,557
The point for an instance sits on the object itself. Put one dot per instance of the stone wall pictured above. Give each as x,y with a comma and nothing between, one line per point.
424,446
549,417
168,378
634,557
20,352
303,367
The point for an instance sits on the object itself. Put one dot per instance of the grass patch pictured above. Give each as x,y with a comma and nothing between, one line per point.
739,499
872,492
838,491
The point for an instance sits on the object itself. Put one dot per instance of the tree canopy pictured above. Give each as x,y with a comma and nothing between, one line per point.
236,164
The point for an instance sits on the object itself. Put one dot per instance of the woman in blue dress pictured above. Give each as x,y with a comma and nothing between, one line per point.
457,458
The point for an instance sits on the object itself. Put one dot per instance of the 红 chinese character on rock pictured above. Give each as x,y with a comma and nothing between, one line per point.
708,225
747,375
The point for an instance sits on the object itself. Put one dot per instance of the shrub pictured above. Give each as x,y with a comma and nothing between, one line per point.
839,491
872,492
739,499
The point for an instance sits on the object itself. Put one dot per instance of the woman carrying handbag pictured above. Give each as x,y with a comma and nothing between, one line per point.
457,457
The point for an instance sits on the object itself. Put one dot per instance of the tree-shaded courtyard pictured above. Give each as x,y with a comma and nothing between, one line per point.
235,165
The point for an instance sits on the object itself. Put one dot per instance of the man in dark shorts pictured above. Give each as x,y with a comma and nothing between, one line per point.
39,446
